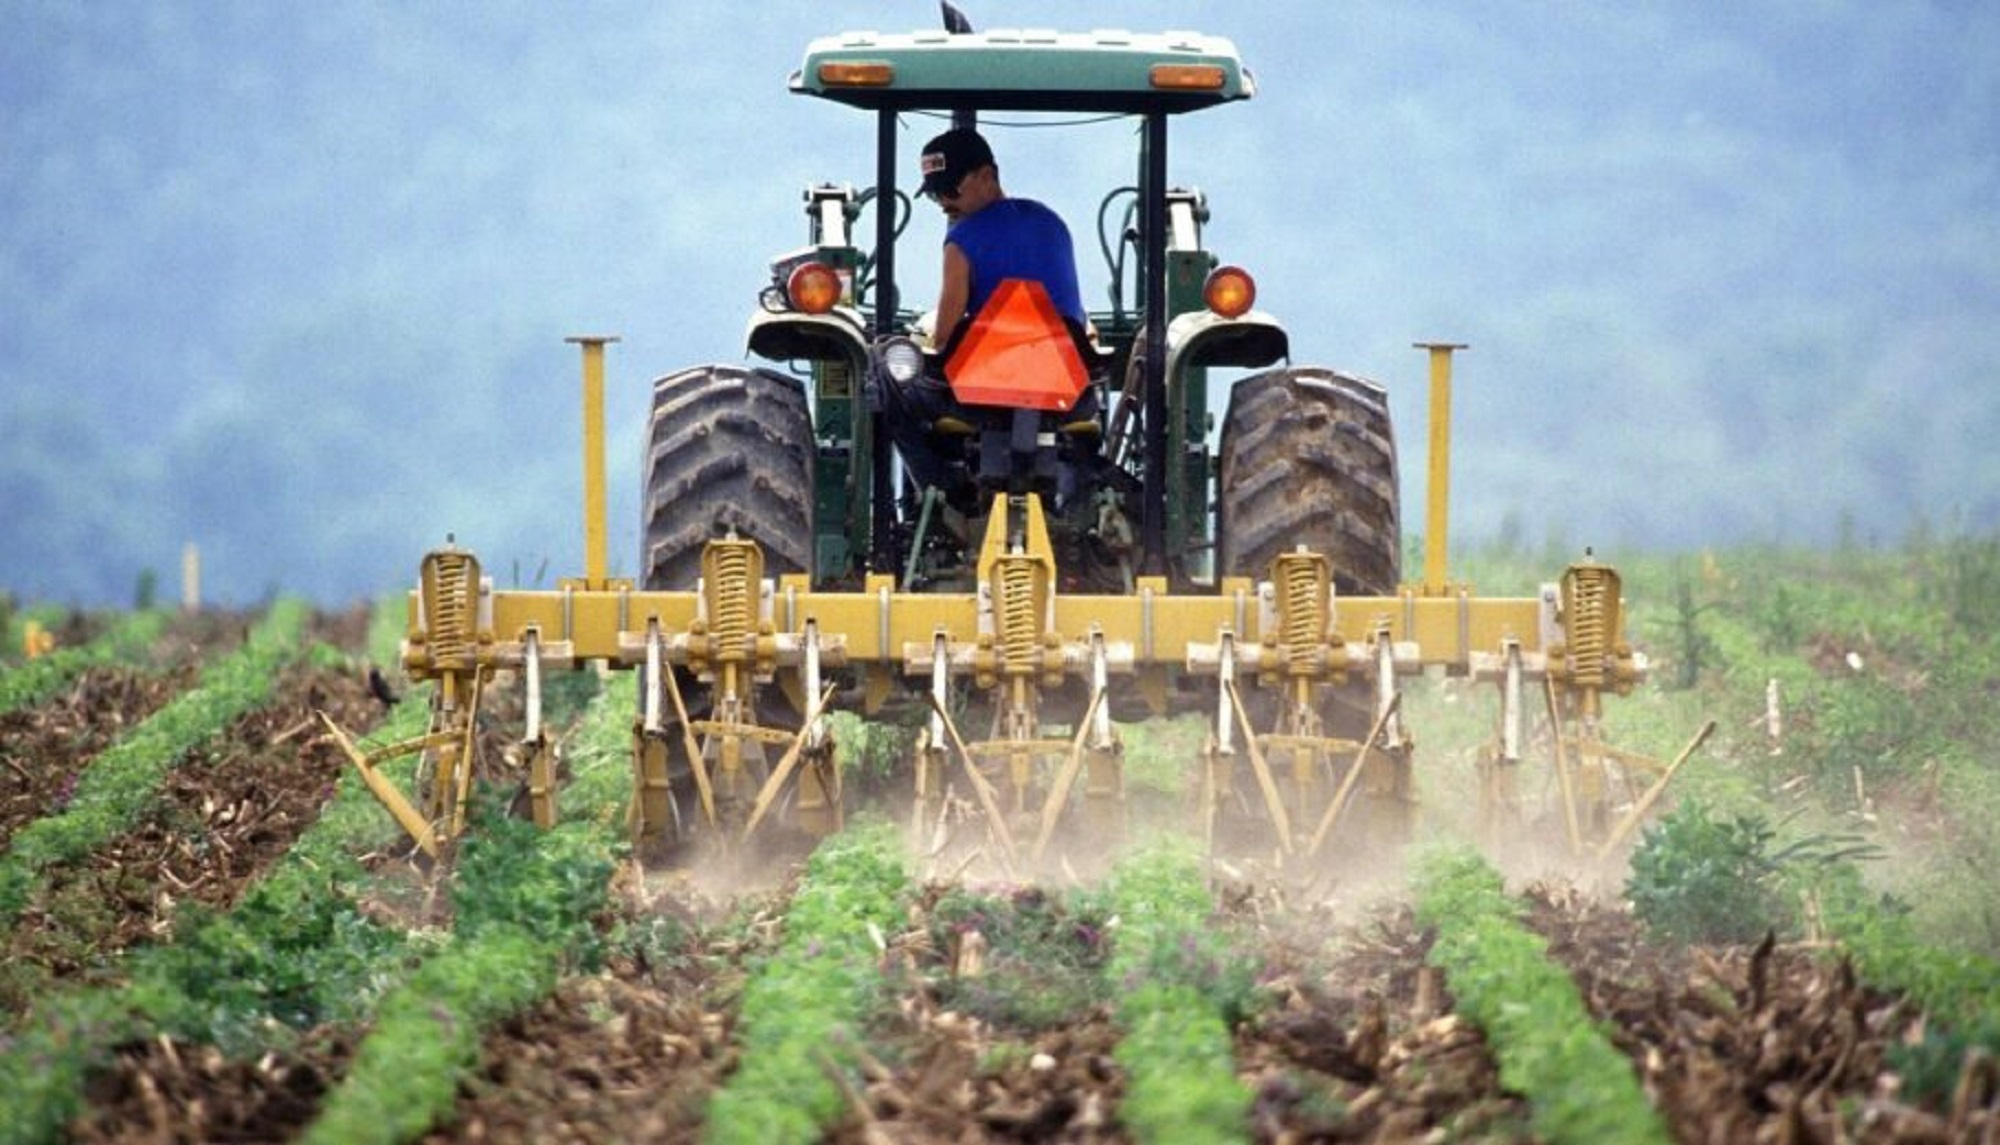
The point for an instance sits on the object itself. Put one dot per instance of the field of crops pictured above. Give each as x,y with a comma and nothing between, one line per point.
215,934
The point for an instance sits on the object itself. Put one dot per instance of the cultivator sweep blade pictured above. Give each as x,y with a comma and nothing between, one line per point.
1296,671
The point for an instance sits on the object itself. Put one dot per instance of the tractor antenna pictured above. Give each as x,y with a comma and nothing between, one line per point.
957,23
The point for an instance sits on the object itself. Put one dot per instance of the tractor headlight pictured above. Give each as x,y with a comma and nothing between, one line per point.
901,358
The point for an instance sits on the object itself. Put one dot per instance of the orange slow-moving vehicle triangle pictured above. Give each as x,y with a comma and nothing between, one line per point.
1018,353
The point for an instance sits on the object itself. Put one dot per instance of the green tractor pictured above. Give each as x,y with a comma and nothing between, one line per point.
1077,555
796,455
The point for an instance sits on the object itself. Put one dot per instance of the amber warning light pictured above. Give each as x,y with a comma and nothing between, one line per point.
1188,77
857,73
813,287
1229,291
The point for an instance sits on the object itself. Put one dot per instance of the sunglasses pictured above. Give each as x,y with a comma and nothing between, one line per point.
940,194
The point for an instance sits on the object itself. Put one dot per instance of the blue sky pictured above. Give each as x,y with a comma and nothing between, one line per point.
291,281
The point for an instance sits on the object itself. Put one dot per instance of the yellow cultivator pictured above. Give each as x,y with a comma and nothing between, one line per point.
1267,655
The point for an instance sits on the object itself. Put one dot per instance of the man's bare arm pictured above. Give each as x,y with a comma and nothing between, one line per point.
952,295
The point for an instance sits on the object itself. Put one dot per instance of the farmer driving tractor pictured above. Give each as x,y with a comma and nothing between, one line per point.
992,238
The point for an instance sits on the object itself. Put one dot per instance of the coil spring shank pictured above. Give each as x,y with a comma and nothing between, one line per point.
730,572
1303,587
1302,581
451,609
1018,615
1590,617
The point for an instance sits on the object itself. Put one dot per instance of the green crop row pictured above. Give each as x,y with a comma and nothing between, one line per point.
1044,962
36,680
1579,1087
526,900
295,951
805,1005
124,779
1180,987
526,904
44,1064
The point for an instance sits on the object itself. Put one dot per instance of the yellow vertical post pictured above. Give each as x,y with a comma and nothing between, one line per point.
595,560
1437,519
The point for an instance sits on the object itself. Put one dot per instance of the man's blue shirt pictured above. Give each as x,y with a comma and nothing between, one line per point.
1018,238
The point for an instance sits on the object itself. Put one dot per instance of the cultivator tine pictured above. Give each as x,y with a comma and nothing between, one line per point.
1391,762
1222,748
1058,798
815,728
1645,802
449,749
988,798
653,809
1510,705
1299,656
1281,821
413,822
1383,720
1104,784
663,675
535,743
930,748
776,781
1388,697
1566,781
449,746
1500,764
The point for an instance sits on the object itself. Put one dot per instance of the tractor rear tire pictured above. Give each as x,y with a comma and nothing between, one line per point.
1309,458
728,449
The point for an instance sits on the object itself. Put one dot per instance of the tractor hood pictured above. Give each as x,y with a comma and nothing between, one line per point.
1026,70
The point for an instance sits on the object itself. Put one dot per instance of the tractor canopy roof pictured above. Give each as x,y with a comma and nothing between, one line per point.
1026,70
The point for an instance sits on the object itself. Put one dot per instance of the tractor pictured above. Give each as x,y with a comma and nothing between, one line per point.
1087,557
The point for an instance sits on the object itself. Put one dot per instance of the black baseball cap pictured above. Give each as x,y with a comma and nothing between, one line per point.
950,157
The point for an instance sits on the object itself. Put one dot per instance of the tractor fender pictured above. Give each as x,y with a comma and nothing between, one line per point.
1205,338
839,335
